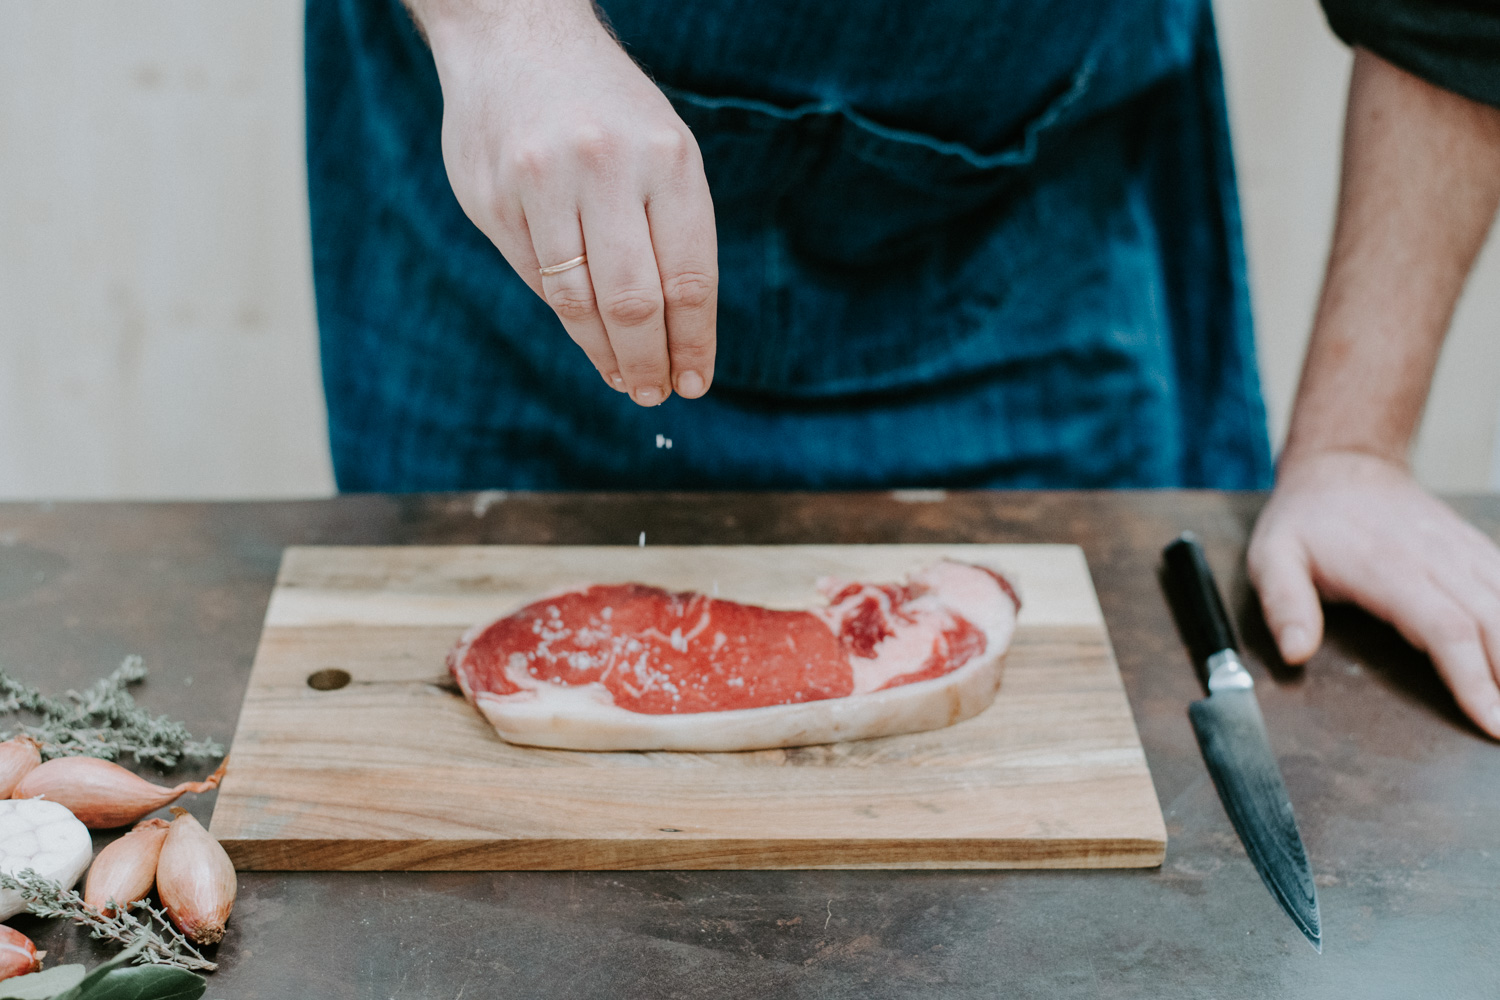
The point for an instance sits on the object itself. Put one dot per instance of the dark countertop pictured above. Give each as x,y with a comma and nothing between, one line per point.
1396,795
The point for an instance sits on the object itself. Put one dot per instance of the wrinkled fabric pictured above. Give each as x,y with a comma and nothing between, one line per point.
960,244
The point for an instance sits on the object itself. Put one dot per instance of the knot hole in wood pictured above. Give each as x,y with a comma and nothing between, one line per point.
329,679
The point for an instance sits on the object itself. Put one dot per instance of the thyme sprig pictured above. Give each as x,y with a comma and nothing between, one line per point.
162,944
102,720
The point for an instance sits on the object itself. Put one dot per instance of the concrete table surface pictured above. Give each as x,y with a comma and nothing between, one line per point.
1397,796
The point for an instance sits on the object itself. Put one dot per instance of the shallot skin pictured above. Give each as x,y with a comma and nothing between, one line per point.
18,955
195,880
124,871
103,794
18,758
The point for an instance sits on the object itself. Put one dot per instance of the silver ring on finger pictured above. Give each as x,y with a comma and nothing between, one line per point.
566,265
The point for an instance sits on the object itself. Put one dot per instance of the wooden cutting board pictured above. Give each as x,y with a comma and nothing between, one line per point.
395,771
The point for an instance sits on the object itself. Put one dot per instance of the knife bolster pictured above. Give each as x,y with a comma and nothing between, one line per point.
1227,673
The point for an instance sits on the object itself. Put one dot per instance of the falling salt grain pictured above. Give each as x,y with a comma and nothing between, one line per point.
643,540
662,441
486,499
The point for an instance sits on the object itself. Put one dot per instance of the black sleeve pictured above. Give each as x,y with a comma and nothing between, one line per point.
1454,44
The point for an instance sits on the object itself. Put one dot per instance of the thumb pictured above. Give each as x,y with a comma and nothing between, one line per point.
1282,577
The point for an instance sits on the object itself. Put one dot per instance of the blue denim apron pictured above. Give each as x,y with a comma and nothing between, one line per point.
962,243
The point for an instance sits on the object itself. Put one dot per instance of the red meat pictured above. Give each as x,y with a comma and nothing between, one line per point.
644,650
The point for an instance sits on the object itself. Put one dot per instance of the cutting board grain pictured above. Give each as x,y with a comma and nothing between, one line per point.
395,771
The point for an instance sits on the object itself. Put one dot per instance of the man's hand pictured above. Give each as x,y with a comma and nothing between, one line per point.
558,145
1421,180
1357,528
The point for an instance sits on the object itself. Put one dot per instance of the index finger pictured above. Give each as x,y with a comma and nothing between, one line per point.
681,217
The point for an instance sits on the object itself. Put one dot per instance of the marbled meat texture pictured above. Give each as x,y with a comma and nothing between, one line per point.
578,659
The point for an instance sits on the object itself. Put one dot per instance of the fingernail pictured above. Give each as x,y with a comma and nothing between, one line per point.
1495,719
1293,640
690,384
616,381
649,396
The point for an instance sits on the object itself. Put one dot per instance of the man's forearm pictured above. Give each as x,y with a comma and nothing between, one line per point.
1421,180
1346,521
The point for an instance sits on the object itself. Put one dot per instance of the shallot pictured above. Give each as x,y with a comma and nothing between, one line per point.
124,871
18,955
195,880
45,837
18,758
103,794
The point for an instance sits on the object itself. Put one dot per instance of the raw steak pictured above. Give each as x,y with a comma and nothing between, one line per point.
633,667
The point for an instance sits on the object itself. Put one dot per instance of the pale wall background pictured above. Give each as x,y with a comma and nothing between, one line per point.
156,321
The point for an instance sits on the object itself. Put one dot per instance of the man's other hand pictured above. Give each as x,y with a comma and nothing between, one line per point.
1346,526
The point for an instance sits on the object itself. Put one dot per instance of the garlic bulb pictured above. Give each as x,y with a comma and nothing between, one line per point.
195,880
124,871
18,757
18,955
35,833
102,794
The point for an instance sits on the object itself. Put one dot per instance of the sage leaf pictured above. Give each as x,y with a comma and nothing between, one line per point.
100,971
42,985
145,982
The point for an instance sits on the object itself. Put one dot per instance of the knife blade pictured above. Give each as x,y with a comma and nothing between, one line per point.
1232,737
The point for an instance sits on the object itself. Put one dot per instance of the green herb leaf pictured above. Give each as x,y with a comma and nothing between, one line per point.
103,720
145,982
145,929
42,985
100,971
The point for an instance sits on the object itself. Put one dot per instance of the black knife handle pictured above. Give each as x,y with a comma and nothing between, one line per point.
1204,622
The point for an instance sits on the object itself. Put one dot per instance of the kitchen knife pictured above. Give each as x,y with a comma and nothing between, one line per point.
1232,736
